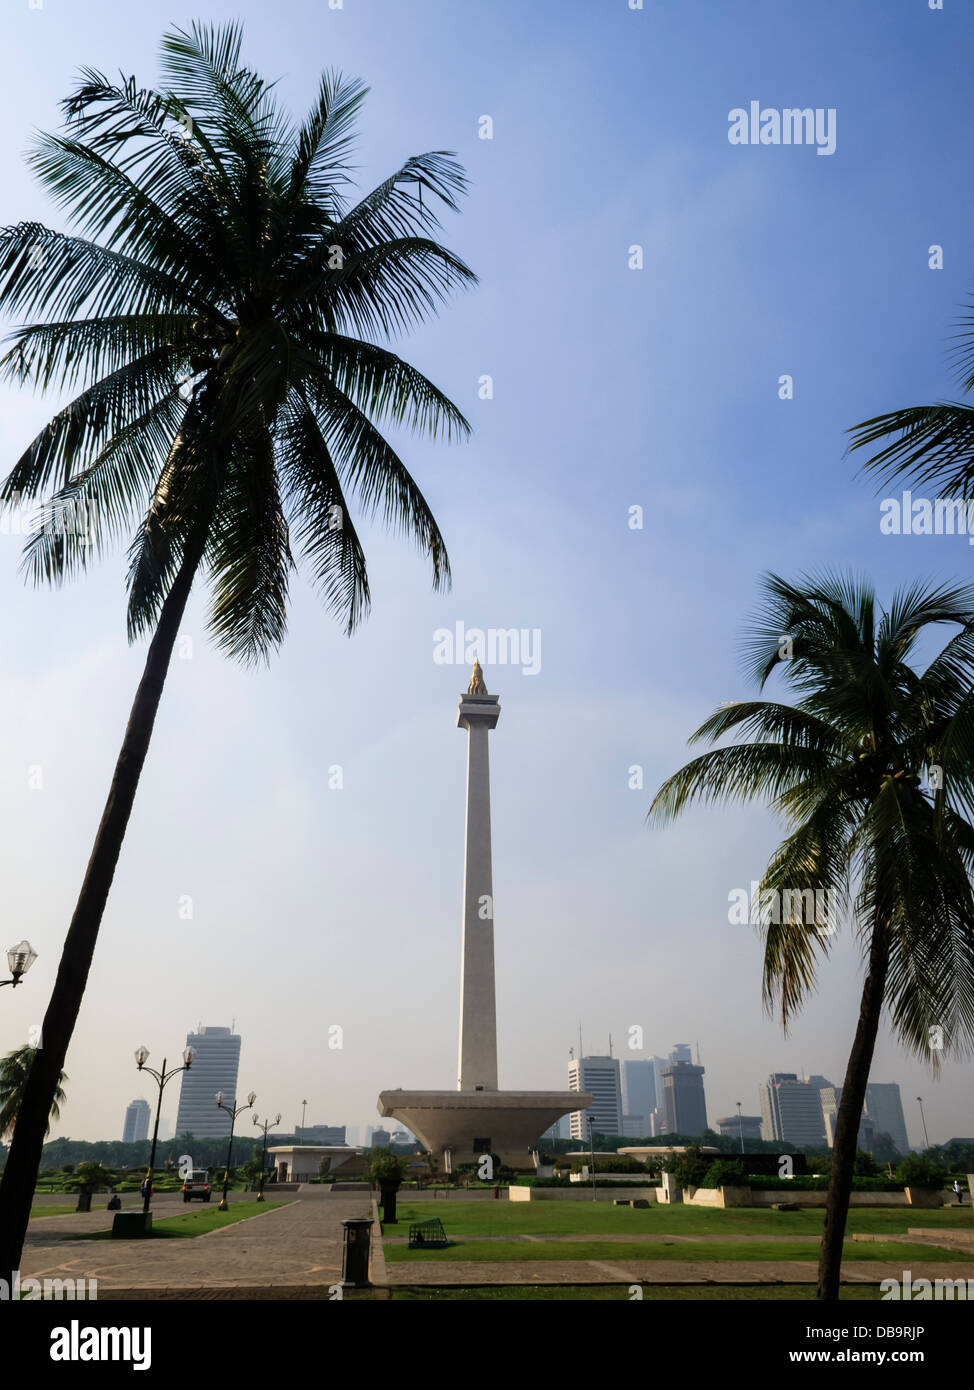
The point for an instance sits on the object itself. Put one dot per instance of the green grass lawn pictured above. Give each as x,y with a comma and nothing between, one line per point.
196,1223
601,1218
530,1251
35,1212
652,1293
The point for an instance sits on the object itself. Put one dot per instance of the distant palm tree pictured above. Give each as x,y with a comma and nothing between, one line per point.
873,771
14,1069
219,307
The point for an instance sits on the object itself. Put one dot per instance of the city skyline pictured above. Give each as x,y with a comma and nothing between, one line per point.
281,872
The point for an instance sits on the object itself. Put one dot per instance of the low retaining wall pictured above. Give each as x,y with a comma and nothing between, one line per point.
577,1194
719,1196
764,1197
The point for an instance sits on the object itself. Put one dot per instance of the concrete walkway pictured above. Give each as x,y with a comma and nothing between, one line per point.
453,1273
299,1244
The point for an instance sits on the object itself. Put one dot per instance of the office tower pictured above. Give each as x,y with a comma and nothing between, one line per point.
136,1127
638,1095
380,1138
216,1062
734,1126
657,1064
885,1109
319,1134
682,1052
599,1076
684,1104
791,1111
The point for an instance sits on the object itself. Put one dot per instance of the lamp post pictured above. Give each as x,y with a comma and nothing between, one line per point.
161,1077
926,1141
591,1141
263,1158
233,1111
20,958
740,1124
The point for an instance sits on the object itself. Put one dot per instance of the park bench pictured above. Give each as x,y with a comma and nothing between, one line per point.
425,1234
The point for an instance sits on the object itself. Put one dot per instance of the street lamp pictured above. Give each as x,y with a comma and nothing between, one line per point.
20,958
926,1141
263,1158
233,1111
740,1124
591,1140
162,1077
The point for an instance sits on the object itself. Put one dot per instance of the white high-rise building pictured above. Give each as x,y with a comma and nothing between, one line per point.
791,1110
216,1062
600,1077
136,1126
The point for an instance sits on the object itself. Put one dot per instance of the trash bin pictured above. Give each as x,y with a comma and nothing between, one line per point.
355,1255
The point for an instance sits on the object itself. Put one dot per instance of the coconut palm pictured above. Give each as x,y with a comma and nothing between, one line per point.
14,1069
220,310
872,769
931,444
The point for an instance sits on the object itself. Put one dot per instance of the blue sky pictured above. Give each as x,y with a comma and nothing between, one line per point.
613,388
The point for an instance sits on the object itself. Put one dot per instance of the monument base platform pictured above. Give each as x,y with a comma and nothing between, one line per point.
465,1124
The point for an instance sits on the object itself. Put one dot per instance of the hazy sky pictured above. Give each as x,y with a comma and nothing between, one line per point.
612,388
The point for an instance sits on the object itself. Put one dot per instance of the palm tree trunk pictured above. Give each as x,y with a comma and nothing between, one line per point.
23,1160
849,1117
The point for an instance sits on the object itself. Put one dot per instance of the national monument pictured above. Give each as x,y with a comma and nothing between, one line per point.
477,1117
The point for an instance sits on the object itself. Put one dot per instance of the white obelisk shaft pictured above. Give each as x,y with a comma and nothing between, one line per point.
478,714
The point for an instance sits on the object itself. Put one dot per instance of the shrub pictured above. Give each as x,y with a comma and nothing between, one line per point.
386,1167
688,1168
724,1172
921,1172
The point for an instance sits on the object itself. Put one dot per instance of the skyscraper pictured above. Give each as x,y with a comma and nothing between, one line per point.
684,1104
884,1107
638,1097
791,1110
600,1077
136,1126
682,1052
215,1066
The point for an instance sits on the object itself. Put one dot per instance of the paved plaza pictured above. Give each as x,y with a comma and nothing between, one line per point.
296,1244
295,1251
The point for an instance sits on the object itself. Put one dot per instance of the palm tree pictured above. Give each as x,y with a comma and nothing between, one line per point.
931,444
14,1069
872,769
218,306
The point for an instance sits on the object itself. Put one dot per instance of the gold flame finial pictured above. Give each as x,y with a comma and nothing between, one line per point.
476,686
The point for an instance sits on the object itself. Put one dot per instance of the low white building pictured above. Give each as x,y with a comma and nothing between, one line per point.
302,1162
